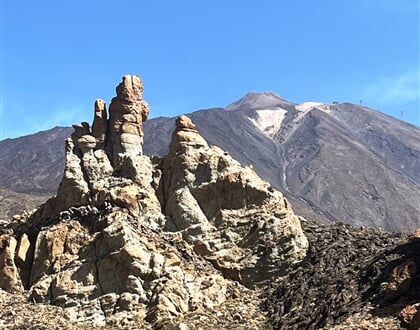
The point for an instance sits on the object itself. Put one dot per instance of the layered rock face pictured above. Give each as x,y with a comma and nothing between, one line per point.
226,211
127,112
155,237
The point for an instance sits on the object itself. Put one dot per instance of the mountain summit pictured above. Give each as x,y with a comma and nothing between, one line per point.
253,101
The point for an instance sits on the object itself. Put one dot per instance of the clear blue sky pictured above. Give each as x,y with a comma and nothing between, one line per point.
57,57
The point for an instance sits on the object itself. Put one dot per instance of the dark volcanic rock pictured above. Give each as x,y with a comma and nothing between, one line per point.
345,270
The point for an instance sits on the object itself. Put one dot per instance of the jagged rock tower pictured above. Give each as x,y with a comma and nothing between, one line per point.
126,233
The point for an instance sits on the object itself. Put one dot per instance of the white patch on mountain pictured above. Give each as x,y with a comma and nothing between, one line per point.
269,121
306,106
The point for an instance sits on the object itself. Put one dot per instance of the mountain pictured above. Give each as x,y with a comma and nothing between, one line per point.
13,203
335,162
34,164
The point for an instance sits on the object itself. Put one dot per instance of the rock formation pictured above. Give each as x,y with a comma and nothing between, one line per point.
100,123
156,237
127,112
230,215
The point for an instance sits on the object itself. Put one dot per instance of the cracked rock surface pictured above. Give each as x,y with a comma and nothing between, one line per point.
161,239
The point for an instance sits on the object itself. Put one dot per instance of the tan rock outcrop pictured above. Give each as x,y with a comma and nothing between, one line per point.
116,264
161,237
233,218
127,112
10,279
100,123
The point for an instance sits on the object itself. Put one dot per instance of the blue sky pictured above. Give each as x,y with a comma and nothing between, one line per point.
57,57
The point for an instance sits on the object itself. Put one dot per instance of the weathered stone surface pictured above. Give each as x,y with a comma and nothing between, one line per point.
100,123
126,114
116,264
232,216
10,279
159,237
73,189
23,252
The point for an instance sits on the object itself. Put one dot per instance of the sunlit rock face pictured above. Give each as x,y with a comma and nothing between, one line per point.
158,237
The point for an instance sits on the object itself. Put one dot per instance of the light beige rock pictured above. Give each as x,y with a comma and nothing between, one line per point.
127,112
9,273
100,123
23,252
237,217
161,238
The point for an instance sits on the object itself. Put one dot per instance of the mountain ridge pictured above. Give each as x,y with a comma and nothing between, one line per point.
383,151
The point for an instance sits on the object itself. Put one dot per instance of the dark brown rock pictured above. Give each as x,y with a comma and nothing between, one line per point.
400,280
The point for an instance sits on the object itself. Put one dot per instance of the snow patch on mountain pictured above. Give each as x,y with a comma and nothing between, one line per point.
306,106
269,121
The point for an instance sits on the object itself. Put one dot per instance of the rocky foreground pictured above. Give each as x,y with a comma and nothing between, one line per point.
192,240
350,278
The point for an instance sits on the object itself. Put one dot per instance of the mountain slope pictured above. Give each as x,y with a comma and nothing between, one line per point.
12,203
339,174
34,163
339,162
335,162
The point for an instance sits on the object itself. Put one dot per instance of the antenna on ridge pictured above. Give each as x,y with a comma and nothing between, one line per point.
361,101
402,113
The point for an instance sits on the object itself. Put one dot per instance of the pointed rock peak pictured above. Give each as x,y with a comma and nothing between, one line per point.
130,89
185,136
183,122
127,112
107,152
255,101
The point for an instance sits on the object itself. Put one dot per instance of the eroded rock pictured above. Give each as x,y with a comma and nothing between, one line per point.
233,218
161,238
127,112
